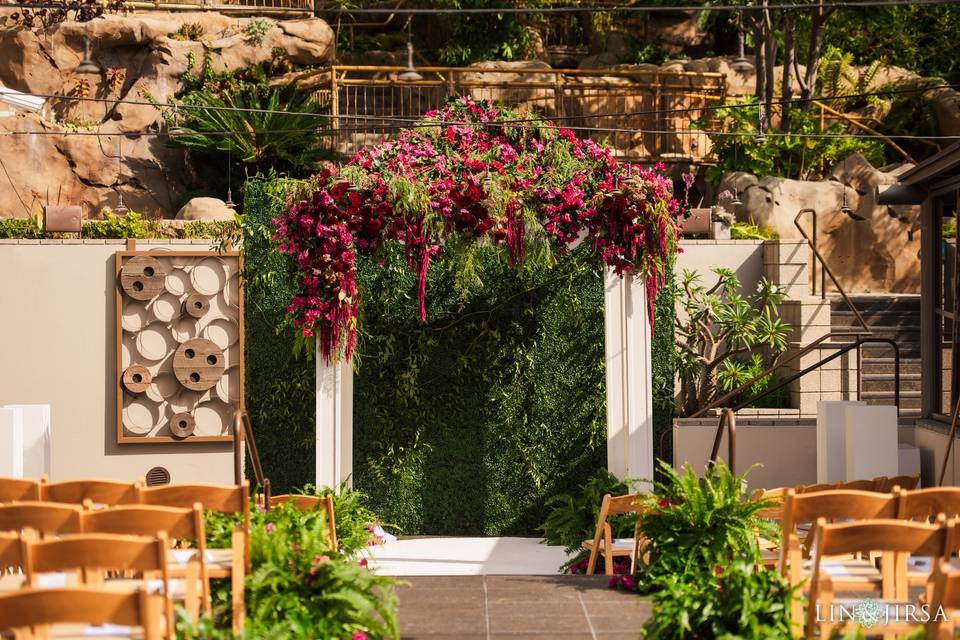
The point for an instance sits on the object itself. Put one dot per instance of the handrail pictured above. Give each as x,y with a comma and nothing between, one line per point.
826,269
847,347
243,431
727,418
746,385
728,415
952,436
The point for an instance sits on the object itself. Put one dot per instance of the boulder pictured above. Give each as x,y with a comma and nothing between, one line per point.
876,254
205,209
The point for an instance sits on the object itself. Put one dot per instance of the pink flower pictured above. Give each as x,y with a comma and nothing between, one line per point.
319,559
269,527
358,635
362,562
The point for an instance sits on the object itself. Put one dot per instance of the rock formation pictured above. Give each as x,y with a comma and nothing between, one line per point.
878,253
141,55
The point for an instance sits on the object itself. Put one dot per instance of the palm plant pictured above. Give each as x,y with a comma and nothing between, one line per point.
268,129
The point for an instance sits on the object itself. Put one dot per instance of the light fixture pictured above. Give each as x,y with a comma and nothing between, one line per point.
631,179
87,65
741,64
410,74
176,129
229,201
121,208
761,137
736,202
616,191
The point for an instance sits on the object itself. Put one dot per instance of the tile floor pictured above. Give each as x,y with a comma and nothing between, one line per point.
454,556
488,607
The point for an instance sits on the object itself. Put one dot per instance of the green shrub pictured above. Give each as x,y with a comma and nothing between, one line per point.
130,225
20,228
748,231
736,372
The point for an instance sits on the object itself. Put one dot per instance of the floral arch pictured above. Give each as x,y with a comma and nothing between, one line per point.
470,173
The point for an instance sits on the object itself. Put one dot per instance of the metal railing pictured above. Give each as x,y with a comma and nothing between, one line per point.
628,105
728,414
825,268
243,434
241,7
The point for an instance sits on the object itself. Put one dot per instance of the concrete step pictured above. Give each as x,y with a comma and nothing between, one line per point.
870,303
885,384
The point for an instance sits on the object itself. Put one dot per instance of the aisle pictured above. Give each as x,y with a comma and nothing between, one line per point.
518,607
441,556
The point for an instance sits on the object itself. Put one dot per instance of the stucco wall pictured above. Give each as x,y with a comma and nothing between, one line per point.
57,347
744,257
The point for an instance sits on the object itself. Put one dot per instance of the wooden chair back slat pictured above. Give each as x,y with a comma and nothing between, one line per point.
619,505
916,538
35,607
944,599
19,489
11,554
145,520
907,482
838,503
225,498
108,492
857,485
107,552
43,517
923,504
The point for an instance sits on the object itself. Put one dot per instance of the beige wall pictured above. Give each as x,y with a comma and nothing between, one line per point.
744,257
57,347
785,448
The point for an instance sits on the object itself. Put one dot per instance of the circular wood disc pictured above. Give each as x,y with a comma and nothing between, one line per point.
198,364
196,305
137,378
143,278
182,425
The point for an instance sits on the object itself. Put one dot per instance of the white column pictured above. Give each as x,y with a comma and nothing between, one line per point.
629,378
334,422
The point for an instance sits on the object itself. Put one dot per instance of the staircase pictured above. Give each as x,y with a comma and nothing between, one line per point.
895,316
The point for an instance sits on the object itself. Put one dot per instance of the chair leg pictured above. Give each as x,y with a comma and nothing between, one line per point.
237,575
192,596
607,564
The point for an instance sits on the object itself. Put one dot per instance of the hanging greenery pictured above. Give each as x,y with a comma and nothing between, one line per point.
470,173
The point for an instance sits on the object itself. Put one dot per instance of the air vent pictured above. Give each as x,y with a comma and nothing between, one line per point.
157,476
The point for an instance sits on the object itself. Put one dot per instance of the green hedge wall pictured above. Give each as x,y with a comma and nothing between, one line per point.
465,424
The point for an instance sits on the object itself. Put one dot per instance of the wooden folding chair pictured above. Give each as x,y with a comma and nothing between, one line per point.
808,508
307,503
769,550
29,608
42,517
603,543
944,599
19,489
99,492
894,538
230,563
907,482
925,505
177,524
90,556
11,562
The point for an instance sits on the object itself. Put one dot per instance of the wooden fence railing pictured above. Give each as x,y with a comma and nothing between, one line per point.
626,109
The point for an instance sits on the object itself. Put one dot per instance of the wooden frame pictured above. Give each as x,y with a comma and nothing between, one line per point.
602,542
132,252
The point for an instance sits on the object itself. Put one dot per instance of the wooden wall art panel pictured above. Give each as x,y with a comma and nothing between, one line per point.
179,345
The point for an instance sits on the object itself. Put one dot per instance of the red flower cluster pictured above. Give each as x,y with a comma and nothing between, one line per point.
478,171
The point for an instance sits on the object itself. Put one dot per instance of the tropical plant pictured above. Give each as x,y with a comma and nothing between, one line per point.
477,37
717,327
796,156
573,518
257,28
129,225
279,129
736,372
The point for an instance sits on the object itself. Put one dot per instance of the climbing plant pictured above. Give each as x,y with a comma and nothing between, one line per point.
467,175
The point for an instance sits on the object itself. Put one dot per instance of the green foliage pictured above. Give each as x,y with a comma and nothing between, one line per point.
20,228
718,325
130,225
189,31
663,367
476,37
747,231
694,524
257,28
916,37
573,517
300,589
740,600
736,372
788,156
280,393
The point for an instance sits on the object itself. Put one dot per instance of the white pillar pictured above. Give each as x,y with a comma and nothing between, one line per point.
629,378
334,427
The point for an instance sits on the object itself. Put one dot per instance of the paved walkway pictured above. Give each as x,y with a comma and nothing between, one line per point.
490,607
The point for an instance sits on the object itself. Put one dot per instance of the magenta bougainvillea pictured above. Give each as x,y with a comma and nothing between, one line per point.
477,171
